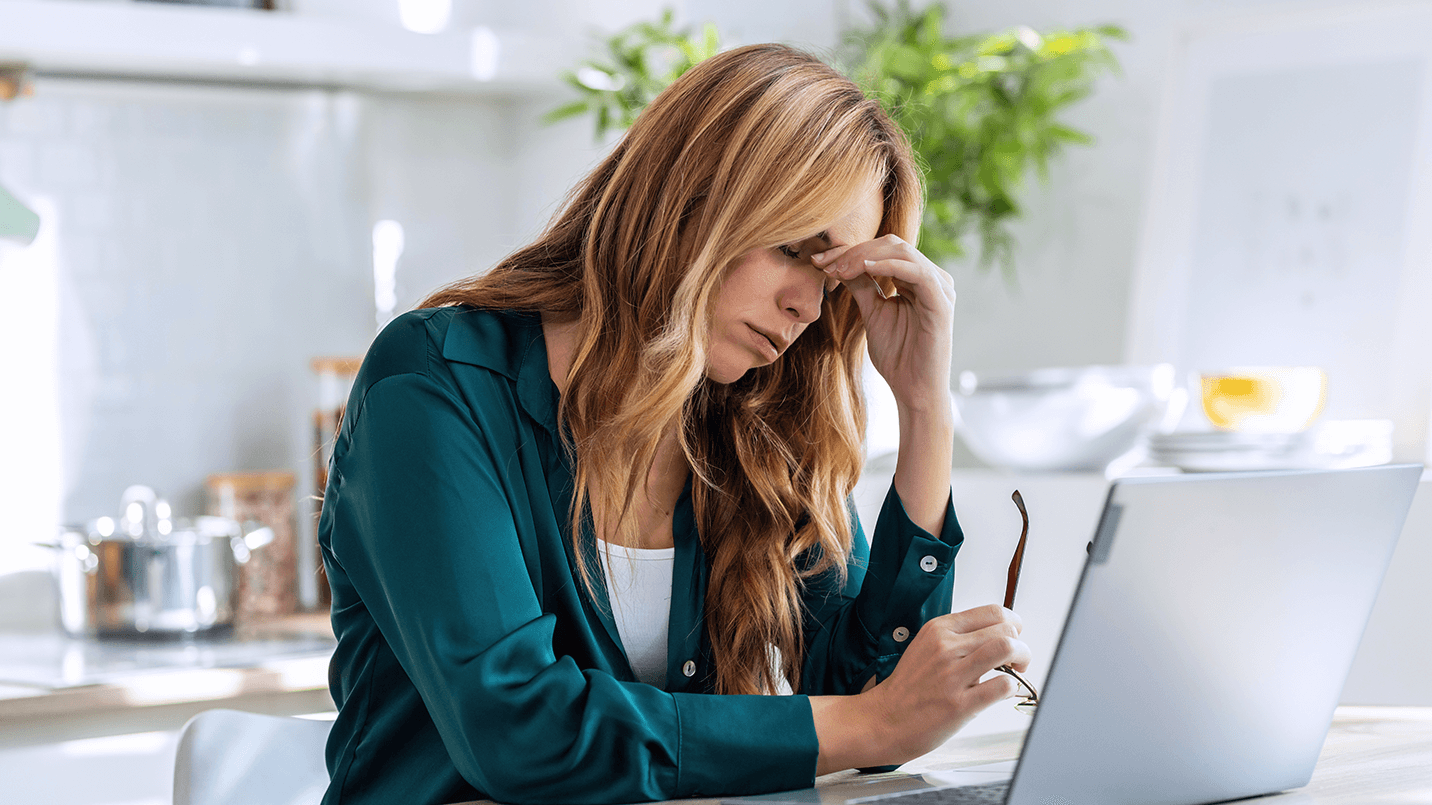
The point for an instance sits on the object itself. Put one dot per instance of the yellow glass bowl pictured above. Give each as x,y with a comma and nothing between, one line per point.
1265,399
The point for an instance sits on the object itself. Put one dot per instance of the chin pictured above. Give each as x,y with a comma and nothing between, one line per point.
724,378
725,372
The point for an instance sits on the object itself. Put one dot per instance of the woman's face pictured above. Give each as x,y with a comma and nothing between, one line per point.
772,294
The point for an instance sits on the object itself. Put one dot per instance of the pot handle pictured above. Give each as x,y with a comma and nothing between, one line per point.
253,540
86,557
57,542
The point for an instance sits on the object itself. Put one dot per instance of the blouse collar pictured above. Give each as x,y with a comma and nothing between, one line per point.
510,343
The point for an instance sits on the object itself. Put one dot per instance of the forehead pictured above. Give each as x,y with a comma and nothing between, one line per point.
860,220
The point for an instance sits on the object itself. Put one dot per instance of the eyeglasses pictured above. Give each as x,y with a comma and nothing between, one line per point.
1029,699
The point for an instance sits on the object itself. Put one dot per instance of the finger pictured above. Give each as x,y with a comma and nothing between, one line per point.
1018,665
973,651
997,651
866,293
888,247
1002,629
965,643
884,247
829,261
899,276
972,620
892,263
846,270
911,280
825,258
844,262
995,689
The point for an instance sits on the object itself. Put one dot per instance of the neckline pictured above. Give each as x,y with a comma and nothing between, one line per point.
638,554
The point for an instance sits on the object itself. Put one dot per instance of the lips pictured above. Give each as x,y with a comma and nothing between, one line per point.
766,344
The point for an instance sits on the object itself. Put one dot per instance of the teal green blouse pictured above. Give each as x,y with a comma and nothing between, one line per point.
471,663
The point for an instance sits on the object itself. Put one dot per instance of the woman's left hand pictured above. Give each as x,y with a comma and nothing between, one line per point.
911,332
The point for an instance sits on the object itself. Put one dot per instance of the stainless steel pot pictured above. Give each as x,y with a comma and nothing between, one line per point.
149,574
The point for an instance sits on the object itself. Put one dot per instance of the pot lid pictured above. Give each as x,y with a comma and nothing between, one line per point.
172,532
146,517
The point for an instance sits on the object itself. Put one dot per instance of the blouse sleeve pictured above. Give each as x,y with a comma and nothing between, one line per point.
893,587
425,533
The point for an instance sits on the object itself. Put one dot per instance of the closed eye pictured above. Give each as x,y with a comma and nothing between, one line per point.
790,251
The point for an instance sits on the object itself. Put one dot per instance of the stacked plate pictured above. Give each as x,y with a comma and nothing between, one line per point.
1329,445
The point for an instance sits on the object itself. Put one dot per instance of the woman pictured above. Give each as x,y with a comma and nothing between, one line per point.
668,378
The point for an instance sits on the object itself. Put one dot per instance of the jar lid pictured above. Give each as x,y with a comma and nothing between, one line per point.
268,480
336,365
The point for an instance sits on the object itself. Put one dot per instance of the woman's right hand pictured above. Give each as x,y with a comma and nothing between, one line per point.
934,690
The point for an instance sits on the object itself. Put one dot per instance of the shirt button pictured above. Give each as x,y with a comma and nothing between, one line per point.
689,668
929,563
901,634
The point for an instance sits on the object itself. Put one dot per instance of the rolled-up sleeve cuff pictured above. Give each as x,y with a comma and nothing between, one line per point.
916,569
927,559
744,744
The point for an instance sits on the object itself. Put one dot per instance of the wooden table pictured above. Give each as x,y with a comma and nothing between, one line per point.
1372,756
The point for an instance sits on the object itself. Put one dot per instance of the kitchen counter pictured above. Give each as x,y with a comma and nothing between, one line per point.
55,687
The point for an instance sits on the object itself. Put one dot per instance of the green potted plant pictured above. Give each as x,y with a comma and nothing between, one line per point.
981,110
640,61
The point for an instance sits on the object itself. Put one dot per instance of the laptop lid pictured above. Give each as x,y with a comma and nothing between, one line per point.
1212,630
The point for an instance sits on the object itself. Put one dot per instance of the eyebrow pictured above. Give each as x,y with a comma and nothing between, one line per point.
824,236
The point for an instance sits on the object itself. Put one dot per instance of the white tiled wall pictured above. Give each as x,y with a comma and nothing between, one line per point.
211,240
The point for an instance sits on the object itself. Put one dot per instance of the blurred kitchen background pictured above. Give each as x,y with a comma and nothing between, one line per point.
226,195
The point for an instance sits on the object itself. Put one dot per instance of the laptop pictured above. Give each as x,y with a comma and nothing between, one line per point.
1206,647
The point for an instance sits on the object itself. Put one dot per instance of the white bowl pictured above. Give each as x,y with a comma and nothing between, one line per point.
1074,418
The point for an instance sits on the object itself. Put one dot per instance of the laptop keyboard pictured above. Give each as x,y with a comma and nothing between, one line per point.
987,794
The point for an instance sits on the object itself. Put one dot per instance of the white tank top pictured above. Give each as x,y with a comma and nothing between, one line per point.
639,588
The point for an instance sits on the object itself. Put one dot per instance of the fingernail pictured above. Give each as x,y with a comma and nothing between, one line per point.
830,269
820,257
869,263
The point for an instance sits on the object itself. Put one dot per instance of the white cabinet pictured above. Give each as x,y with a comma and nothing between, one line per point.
151,40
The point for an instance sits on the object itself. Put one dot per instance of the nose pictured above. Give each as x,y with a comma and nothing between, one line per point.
803,293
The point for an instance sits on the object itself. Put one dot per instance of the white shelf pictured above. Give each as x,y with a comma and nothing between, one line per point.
155,41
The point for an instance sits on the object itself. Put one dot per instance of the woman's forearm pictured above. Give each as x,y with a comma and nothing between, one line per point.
843,725
922,472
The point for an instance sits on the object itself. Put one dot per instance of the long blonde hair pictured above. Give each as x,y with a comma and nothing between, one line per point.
753,148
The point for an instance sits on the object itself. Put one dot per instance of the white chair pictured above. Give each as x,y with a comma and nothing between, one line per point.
226,757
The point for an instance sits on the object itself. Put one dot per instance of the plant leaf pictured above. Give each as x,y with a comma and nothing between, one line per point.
566,111
643,59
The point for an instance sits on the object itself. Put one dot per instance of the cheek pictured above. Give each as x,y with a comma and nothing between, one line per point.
754,278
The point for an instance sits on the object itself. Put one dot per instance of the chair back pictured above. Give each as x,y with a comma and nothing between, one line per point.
227,757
